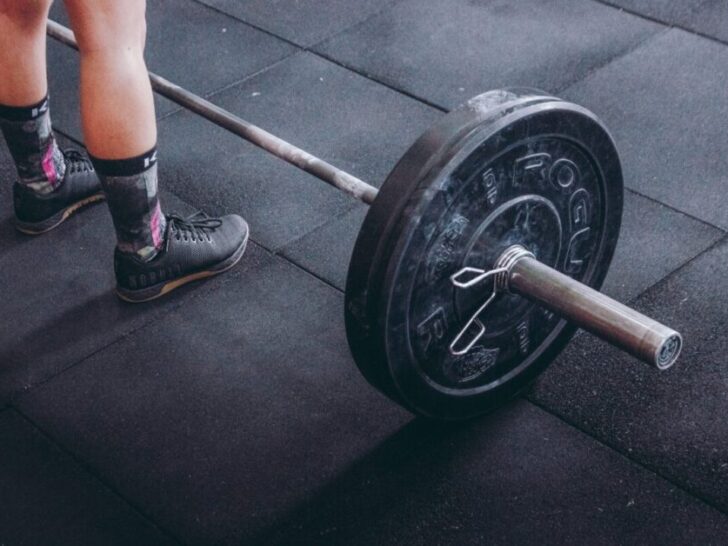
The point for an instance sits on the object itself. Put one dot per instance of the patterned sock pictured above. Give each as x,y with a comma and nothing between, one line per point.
27,130
131,190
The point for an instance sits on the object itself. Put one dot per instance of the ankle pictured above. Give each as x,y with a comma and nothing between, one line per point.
143,239
131,189
40,163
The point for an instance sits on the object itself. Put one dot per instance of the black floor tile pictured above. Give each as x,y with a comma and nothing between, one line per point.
339,116
326,251
451,50
58,304
187,43
673,421
228,412
48,499
303,23
711,19
243,442
673,12
667,107
518,477
654,241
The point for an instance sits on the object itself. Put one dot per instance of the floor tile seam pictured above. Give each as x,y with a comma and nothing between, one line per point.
381,82
271,33
309,272
676,210
278,254
313,49
199,291
249,24
677,270
655,471
20,394
391,4
310,49
226,87
640,15
596,69
91,472
443,108
322,225
670,24
634,300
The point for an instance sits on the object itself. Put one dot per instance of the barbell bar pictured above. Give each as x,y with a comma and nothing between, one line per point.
495,228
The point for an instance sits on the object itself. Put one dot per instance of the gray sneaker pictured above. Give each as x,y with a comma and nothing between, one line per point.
195,248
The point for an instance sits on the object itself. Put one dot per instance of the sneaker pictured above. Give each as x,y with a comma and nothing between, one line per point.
36,214
194,248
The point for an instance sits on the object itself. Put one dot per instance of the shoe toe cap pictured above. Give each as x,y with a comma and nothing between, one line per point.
236,231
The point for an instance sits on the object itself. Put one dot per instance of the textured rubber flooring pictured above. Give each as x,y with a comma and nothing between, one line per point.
232,412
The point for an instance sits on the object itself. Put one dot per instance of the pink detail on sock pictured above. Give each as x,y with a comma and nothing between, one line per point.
156,225
49,165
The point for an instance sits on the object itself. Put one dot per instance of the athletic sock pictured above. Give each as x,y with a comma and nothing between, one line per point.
131,190
28,133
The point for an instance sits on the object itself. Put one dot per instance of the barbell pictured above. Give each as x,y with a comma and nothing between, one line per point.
482,253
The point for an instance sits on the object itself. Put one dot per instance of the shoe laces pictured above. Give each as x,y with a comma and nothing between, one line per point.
196,227
76,162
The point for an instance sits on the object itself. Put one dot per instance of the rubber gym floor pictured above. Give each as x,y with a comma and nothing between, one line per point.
232,413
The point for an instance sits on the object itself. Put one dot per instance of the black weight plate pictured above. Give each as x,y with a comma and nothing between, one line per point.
509,167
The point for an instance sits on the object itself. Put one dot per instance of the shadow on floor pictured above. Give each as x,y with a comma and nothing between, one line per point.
397,477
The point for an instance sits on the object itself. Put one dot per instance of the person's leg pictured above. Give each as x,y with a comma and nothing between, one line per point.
24,115
154,253
119,125
51,184
22,36
117,107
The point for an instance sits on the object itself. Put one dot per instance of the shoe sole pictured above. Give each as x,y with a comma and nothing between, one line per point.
38,228
162,289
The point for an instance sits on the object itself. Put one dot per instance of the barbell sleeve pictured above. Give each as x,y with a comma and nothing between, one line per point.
591,310
255,135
